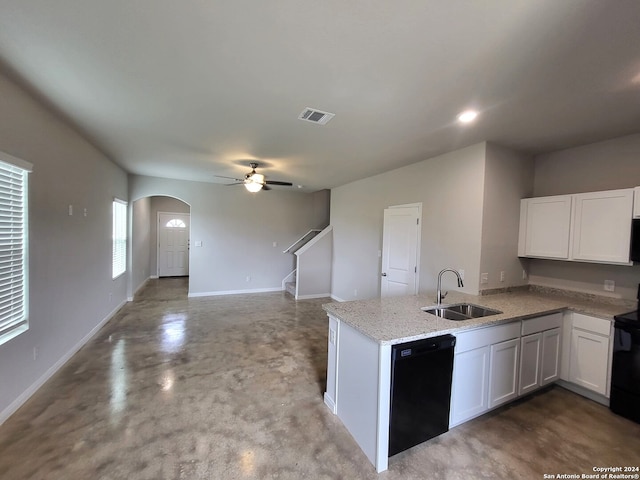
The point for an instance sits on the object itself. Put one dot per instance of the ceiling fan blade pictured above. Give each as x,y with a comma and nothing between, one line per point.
230,178
274,182
236,183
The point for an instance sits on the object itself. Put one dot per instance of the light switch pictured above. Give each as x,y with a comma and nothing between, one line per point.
198,243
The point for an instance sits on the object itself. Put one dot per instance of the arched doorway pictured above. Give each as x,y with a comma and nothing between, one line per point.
155,220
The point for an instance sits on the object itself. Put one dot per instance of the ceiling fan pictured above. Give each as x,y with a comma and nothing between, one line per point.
254,182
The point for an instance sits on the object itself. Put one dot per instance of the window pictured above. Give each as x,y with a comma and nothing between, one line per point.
119,237
175,223
14,315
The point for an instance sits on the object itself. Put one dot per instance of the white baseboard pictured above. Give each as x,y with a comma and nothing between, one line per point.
337,299
130,299
309,297
33,388
328,401
234,292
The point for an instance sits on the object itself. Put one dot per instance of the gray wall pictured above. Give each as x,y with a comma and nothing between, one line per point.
141,241
450,188
70,287
508,178
321,208
237,231
600,166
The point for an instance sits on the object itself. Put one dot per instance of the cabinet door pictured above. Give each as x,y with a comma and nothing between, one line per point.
602,226
589,360
550,368
469,389
503,373
530,363
546,221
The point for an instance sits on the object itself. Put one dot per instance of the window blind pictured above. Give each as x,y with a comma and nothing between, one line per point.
13,247
119,237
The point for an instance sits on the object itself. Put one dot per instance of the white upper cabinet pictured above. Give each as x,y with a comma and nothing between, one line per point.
544,227
602,226
585,227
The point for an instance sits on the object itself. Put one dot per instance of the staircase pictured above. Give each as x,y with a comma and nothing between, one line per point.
312,275
290,287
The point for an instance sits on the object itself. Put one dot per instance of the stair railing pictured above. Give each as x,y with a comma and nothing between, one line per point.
313,230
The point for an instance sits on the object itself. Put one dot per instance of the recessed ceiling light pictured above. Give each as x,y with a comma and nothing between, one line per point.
467,116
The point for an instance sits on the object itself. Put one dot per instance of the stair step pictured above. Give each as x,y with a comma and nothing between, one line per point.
290,287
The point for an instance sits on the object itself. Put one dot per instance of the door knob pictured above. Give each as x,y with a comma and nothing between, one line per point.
384,274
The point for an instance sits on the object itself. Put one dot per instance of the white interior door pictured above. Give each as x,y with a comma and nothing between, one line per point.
400,247
173,244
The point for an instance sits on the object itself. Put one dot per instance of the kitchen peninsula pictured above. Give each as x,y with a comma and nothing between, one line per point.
532,327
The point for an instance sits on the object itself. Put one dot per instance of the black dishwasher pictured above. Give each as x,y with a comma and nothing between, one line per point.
421,373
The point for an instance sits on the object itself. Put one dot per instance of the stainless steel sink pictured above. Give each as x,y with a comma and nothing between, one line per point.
460,311
473,311
446,313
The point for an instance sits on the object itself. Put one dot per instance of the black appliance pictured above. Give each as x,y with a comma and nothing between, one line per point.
625,372
421,374
635,240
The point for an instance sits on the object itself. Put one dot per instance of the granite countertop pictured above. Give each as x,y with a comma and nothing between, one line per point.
393,320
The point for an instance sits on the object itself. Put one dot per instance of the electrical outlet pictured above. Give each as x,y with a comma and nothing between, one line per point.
484,278
332,336
524,274
502,276
609,286
355,292
110,297
35,353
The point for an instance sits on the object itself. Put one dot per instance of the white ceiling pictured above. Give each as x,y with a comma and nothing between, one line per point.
194,88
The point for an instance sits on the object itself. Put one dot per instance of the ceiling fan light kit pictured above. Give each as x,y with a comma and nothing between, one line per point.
254,183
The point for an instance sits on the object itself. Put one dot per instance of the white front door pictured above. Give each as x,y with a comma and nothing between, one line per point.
400,246
173,244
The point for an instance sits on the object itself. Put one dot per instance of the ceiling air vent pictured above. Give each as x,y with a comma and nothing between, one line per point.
316,116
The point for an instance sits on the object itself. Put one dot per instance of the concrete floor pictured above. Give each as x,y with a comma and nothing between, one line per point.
231,388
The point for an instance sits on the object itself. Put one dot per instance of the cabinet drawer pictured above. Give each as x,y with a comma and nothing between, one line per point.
540,324
592,324
486,336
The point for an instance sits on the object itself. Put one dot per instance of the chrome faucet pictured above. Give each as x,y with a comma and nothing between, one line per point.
440,296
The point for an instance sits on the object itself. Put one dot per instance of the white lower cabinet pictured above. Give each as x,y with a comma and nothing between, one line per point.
503,376
495,365
540,352
530,363
470,380
589,359
482,359
551,356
